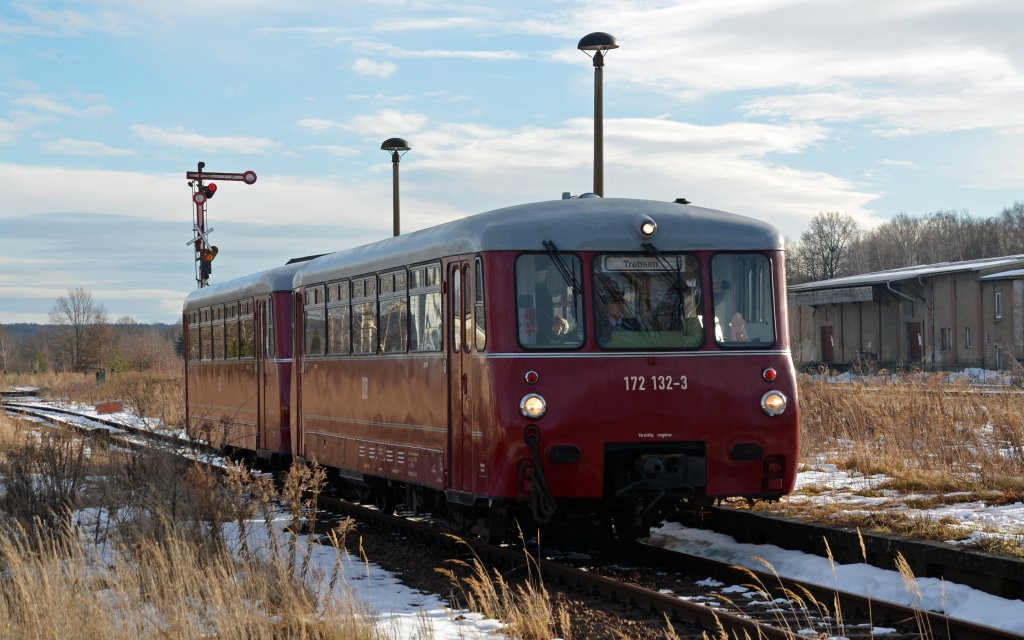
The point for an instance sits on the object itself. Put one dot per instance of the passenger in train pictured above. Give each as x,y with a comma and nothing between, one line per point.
738,328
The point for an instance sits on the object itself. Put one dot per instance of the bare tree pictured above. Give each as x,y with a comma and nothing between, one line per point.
8,349
81,326
825,246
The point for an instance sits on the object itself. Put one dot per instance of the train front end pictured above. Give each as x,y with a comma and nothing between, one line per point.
651,375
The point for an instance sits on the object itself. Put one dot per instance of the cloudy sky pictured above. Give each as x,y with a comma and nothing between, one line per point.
777,109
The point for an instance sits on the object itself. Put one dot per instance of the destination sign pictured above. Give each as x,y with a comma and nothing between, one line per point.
642,263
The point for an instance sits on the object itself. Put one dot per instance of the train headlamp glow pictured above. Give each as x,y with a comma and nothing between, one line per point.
648,227
773,403
532,406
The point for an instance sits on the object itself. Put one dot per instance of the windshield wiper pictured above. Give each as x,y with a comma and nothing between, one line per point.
556,257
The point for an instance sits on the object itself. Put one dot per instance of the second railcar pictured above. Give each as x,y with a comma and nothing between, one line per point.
238,365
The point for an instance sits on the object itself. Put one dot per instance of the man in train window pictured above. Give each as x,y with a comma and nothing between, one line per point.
611,317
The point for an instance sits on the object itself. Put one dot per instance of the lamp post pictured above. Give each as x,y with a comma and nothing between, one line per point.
397,147
598,42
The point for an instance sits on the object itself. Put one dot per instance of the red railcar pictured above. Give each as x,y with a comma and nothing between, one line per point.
238,369
608,359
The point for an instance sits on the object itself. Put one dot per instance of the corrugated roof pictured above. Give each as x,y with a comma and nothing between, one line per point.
912,273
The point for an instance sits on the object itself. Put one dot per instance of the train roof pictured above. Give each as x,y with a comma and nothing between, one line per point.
578,224
276,279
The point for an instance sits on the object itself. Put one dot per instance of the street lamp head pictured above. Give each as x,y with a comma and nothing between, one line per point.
597,41
395,144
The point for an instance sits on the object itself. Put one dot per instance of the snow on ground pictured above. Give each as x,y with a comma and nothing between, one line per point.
401,611
954,599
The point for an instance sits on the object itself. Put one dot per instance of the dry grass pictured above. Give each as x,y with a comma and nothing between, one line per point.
153,395
936,443
525,606
925,434
102,543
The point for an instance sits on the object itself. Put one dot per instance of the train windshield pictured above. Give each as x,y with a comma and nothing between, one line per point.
549,307
743,299
648,301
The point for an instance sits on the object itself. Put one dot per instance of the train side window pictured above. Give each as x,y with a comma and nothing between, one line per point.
218,332
424,309
457,311
314,325
246,329
549,310
339,331
193,335
364,315
479,319
394,312
743,298
206,329
231,330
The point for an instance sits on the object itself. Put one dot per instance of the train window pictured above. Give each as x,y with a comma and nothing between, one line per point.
231,330
246,330
549,307
394,313
206,329
424,311
433,275
271,345
339,336
314,325
364,315
193,336
218,333
479,320
744,304
648,302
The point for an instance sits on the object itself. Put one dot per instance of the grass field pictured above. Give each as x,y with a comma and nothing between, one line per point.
150,561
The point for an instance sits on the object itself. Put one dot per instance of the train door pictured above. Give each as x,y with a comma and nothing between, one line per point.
460,439
262,430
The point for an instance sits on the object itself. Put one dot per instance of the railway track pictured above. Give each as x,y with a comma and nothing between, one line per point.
686,589
683,588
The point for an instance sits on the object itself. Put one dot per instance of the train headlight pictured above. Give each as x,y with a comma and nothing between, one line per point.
773,403
646,226
532,406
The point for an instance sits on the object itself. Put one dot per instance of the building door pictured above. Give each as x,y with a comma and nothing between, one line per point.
915,342
827,344
460,438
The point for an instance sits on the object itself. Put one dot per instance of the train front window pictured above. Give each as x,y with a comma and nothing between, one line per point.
648,302
744,306
549,308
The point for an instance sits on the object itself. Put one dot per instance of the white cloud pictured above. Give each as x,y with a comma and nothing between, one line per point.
904,68
387,123
318,125
373,69
179,137
428,24
73,147
335,150
48,104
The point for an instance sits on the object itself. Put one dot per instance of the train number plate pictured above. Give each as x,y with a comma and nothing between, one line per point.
655,383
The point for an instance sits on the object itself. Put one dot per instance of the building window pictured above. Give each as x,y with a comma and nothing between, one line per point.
946,338
999,358
999,305
968,342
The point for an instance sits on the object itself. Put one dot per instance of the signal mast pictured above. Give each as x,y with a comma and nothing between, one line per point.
201,194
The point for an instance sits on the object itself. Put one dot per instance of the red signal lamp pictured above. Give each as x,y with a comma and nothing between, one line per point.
210,190
769,374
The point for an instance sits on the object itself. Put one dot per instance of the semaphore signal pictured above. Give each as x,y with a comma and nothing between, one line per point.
201,194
